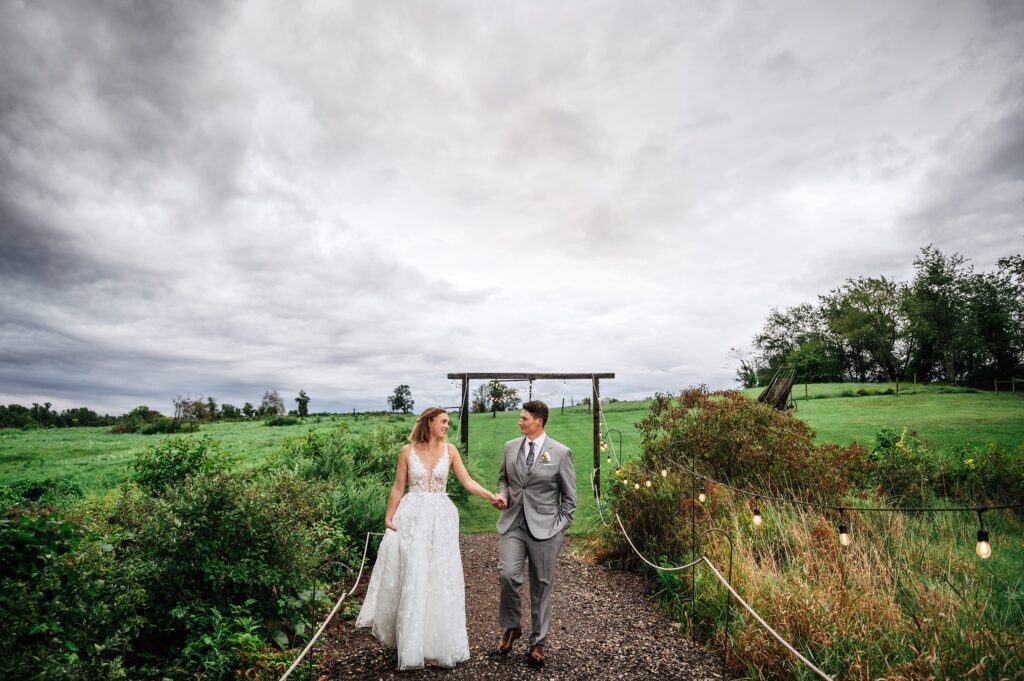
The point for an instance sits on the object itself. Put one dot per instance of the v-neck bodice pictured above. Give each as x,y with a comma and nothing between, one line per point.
422,480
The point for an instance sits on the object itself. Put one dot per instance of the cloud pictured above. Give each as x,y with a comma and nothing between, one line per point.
221,198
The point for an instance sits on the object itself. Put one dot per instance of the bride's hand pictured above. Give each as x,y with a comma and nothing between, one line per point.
390,524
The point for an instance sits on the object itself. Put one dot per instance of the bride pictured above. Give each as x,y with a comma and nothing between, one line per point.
416,598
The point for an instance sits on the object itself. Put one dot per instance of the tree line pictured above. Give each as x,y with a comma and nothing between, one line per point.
186,409
950,323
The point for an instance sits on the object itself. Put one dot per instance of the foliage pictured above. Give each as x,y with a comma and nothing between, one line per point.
303,402
281,421
948,324
401,400
136,420
42,416
495,396
908,470
68,611
731,437
230,411
48,491
271,404
176,459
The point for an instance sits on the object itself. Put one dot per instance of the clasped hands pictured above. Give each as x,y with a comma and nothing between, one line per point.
500,502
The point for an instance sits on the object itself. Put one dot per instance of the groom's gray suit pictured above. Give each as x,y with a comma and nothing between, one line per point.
541,502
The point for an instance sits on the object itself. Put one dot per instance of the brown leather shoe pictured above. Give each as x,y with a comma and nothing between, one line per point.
536,656
507,639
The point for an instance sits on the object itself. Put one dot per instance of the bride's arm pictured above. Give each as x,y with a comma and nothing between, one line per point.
463,475
397,489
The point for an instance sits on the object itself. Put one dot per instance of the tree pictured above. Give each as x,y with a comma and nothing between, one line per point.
495,396
784,332
188,409
936,308
272,404
867,315
230,411
211,408
303,400
248,411
401,400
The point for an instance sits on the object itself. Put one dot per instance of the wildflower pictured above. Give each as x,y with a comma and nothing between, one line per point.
969,463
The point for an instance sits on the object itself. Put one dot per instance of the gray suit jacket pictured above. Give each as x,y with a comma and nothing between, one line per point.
546,492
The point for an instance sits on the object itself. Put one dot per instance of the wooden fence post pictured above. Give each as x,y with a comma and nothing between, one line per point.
464,418
596,400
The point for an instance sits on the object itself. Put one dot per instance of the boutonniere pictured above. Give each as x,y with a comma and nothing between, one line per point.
545,457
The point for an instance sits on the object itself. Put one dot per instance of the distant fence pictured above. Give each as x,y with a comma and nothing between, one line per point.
1010,382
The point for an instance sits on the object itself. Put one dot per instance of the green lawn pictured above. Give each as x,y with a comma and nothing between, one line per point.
98,460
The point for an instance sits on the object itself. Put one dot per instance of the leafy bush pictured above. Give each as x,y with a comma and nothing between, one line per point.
904,468
168,425
281,421
136,419
731,437
910,472
51,491
192,571
240,546
177,458
68,612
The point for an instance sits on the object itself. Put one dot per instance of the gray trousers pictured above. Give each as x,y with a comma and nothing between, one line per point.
514,548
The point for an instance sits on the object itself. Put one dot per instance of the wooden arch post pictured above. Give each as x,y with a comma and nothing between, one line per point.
595,381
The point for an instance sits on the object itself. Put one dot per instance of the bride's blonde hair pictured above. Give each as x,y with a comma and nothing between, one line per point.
421,430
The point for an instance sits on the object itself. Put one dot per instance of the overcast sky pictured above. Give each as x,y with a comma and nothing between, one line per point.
202,198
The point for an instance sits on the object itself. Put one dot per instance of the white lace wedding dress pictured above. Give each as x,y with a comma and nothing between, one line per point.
416,600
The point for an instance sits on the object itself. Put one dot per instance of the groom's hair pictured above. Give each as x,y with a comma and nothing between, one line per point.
538,409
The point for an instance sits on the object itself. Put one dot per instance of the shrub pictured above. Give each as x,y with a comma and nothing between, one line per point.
731,437
136,419
226,561
51,491
168,425
281,421
68,611
175,459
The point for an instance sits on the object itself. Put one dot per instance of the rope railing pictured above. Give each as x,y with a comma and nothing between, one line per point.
337,606
761,621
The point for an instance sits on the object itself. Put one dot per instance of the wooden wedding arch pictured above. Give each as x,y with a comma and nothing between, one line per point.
595,380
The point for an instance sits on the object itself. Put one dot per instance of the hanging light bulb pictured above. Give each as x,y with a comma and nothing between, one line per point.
702,497
647,483
983,548
844,534
609,461
757,516
664,472
636,485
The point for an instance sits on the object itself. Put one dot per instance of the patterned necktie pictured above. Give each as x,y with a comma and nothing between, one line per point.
530,457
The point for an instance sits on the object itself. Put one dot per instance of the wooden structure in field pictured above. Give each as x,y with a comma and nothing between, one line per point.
595,380
780,389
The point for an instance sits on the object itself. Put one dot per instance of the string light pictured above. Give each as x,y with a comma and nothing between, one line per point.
664,472
982,548
844,534
647,483
757,514
702,497
636,485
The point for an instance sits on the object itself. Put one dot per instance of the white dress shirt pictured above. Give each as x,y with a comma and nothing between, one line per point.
538,447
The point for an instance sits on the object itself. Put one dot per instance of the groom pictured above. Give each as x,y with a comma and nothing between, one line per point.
537,498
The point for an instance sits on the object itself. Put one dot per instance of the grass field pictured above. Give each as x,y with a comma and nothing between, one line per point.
97,459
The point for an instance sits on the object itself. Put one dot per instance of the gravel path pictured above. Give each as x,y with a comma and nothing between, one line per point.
603,626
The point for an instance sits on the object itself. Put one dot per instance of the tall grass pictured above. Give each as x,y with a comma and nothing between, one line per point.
908,599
